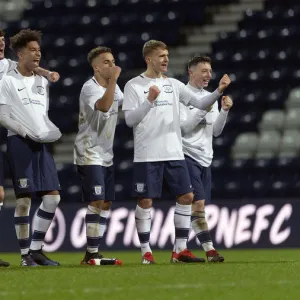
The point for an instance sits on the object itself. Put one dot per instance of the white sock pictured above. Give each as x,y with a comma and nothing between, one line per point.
103,220
143,226
92,221
200,227
22,227
182,222
43,219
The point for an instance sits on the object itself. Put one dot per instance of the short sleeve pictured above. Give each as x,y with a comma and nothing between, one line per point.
4,91
11,64
90,94
131,99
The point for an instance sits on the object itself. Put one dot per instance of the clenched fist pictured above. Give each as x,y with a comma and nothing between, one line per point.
53,76
153,93
226,103
114,72
224,83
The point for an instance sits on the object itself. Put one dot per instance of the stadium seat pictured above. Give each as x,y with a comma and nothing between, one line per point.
272,120
290,143
268,144
293,100
244,146
292,119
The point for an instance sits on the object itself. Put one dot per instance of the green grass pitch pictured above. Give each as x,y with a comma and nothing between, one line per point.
245,274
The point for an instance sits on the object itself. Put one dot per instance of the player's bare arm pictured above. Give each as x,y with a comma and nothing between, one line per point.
50,75
107,100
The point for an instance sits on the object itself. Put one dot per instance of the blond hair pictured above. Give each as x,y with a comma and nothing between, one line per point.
152,45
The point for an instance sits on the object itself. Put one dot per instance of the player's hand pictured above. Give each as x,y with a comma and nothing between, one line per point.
53,76
226,103
153,93
115,72
224,83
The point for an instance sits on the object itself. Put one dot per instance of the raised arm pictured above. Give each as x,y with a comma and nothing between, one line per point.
187,97
222,117
105,102
50,75
134,114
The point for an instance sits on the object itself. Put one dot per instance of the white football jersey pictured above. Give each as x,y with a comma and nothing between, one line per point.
29,99
158,136
6,65
94,141
198,143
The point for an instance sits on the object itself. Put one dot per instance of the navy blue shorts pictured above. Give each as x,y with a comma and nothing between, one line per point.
97,182
32,166
200,179
148,178
1,169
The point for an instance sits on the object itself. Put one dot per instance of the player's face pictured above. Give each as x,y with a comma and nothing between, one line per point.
159,60
2,47
102,64
30,55
201,74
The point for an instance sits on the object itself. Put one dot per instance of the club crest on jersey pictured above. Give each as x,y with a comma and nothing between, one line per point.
98,189
140,187
40,90
167,88
23,183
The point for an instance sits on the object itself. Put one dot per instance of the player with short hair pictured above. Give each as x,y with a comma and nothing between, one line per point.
151,105
198,128
99,100
24,103
5,66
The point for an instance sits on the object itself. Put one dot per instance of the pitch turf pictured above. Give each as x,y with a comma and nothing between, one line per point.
245,274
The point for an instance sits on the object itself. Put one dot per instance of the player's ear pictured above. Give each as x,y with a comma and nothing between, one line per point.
190,72
20,54
148,59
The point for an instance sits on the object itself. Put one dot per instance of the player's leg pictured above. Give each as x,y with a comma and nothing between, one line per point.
19,155
201,181
147,184
177,177
98,190
46,185
2,263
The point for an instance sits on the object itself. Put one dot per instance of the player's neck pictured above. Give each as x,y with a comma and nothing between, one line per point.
24,71
103,82
194,85
152,74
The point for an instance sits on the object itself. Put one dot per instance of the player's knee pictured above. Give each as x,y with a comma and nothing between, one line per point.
107,205
145,203
98,204
51,201
55,193
198,205
186,199
93,208
23,206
